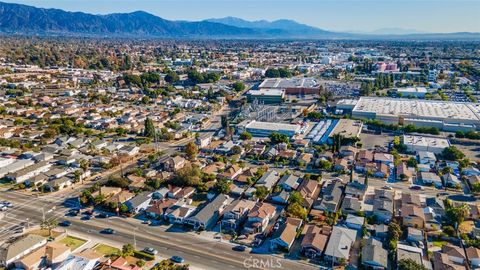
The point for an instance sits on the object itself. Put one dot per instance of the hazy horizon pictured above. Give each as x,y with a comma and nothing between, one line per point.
440,16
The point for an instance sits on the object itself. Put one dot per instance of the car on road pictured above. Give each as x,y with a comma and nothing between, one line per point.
3,207
150,251
239,248
387,187
416,187
86,217
65,223
108,231
102,215
177,259
7,204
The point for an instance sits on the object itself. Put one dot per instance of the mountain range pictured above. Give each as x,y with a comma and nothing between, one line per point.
28,20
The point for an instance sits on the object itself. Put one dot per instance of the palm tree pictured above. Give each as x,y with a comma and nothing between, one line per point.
49,225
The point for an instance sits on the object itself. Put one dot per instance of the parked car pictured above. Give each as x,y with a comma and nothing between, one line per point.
73,212
387,187
150,251
177,259
239,248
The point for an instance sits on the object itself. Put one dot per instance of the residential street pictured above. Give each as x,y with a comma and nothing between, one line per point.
197,251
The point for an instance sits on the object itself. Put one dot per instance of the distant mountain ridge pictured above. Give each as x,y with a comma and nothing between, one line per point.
287,26
22,19
28,20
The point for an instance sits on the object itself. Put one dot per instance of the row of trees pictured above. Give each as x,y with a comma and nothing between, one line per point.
469,135
278,73
196,77
377,124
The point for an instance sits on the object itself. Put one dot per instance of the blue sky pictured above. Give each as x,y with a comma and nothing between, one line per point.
337,15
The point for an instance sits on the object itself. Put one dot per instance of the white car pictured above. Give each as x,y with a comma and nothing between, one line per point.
387,187
7,204
150,251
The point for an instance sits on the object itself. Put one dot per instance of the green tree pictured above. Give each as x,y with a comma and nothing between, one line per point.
123,208
325,165
246,136
455,214
409,264
49,224
191,150
412,162
146,100
222,186
189,175
149,130
447,170
276,137
127,250
140,263
297,210
236,150
171,76
394,233
238,86
452,153
295,197
261,192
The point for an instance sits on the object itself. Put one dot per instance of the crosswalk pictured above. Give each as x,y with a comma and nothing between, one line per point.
27,211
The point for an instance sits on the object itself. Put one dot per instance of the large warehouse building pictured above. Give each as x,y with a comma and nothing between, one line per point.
267,96
264,129
444,115
292,86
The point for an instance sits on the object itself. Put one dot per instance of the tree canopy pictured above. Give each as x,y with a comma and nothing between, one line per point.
149,129
452,153
276,137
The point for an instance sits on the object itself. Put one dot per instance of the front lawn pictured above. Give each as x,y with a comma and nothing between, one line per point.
106,250
439,243
72,242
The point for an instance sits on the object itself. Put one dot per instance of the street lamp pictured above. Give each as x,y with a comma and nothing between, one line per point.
134,237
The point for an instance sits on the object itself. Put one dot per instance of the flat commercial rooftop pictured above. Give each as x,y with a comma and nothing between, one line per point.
280,83
348,128
425,141
266,92
420,108
412,90
272,126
